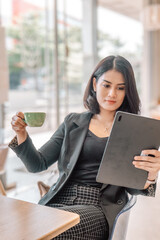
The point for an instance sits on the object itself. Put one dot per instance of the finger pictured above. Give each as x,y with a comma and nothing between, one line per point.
154,152
147,164
13,122
14,127
16,124
17,121
145,158
154,167
21,117
20,114
148,169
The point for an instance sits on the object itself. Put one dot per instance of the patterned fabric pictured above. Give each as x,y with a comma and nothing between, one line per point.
150,191
13,143
84,201
74,193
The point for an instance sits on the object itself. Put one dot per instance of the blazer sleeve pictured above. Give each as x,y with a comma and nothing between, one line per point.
150,191
39,160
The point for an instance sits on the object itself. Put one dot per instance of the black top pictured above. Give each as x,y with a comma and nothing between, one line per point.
86,168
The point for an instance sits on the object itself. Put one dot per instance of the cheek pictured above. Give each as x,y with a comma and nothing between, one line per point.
100,93
122,97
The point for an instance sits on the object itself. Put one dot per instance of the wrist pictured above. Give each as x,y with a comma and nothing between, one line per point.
152,180
21,137
152,176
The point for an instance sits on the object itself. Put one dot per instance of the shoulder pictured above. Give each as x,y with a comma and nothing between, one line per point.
76,117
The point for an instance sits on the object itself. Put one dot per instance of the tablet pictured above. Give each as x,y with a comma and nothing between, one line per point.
130,135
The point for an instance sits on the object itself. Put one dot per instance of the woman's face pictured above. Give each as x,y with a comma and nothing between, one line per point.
110,90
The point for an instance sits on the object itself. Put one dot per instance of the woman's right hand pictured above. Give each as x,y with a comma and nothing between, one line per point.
19,126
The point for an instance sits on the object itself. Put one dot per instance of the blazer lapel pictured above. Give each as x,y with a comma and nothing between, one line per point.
77,136
104,186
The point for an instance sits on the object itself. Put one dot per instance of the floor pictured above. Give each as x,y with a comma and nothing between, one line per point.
144,220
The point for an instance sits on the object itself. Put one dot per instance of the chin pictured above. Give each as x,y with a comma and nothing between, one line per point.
110,109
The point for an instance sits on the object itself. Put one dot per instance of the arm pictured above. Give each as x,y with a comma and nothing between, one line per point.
36,161
19,126
150,191
150,162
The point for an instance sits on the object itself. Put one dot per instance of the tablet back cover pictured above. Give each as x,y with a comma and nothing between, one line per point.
130,135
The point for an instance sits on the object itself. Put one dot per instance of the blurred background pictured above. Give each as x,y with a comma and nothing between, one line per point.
49,48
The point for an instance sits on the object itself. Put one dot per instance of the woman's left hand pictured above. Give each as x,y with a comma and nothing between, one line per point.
149,161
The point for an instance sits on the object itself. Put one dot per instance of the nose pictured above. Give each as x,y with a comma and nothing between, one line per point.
112,93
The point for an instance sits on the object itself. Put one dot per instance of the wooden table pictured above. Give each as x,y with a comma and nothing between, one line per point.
20,220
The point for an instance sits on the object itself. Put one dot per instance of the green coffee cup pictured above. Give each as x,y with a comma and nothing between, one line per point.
34,119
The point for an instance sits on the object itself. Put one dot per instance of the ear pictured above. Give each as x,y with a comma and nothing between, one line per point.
94,84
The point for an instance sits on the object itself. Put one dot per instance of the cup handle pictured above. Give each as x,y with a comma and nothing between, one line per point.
24,120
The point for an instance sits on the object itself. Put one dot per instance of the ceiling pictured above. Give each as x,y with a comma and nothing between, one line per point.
128,8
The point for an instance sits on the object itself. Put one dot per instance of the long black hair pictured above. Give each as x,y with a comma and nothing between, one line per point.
131,101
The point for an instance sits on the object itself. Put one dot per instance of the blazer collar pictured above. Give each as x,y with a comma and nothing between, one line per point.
82,119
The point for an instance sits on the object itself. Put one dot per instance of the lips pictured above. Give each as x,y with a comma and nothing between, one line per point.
110,101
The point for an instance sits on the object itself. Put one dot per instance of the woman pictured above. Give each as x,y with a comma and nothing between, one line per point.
78,145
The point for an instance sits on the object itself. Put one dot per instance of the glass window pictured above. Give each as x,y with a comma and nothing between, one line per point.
30,42
120,35
70,55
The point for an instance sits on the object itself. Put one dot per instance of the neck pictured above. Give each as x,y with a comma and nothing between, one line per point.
106,116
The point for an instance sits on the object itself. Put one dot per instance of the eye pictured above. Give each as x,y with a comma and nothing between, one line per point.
121,88
106,85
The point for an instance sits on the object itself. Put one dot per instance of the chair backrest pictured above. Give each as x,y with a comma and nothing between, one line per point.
2,191
43,188
120,225
3,155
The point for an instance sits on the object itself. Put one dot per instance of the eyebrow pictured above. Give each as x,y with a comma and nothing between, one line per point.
111,82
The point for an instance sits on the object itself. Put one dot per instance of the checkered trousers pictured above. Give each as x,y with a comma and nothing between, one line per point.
83,200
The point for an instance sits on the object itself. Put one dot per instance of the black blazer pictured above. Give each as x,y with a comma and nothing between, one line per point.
65,146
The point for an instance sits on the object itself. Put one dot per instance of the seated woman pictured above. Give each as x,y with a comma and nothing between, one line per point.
78,146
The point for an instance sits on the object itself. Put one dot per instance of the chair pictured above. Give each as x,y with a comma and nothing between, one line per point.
43,188
120,225
2,191
3,156
3,174
3,159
